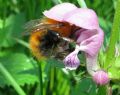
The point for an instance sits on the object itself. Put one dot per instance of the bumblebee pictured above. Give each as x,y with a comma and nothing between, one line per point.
50,38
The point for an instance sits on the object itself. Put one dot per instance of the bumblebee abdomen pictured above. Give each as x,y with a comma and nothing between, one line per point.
42,43
35,42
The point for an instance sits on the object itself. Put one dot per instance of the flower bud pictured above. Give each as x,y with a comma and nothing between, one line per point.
101,77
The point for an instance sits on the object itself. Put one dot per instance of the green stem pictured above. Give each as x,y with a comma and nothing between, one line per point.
60,1
30,8
102,90
25,44
82,3
43,4
40,78
4,13
8,76
52,79
114,37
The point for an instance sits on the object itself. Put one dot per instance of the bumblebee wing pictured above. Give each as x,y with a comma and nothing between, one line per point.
36,25
32,23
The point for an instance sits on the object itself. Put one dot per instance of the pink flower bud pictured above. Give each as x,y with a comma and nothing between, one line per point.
101,77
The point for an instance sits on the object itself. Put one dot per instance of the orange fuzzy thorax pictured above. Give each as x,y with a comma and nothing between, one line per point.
64,31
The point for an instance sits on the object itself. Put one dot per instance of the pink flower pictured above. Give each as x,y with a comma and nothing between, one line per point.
101,77
89,37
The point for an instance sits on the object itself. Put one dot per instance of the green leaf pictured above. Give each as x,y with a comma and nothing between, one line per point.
50,64
22,69
55,63
85,87
13,28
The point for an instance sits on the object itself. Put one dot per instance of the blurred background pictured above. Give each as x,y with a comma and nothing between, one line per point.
19,66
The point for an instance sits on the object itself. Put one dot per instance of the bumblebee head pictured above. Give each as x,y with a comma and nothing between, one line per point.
49,41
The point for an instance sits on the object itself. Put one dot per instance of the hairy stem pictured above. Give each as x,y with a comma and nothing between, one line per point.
114,37
82,3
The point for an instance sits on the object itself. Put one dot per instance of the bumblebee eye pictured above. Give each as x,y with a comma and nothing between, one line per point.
53,33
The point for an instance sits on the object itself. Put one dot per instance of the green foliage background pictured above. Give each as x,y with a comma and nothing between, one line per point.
46,78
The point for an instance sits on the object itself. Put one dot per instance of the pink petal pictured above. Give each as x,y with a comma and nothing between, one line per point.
84,34
57,12
90,41
72,61
82,17
91,64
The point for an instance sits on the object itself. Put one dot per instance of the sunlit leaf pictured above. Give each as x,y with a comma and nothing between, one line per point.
114,69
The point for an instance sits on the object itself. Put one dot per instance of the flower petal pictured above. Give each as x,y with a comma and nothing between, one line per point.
84,34
57,12
91,40
72,61
82,17
91,63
